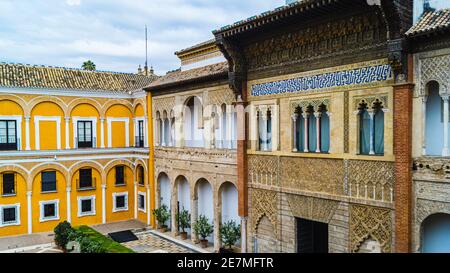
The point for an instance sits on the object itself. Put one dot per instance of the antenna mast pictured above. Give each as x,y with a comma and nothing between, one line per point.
146,52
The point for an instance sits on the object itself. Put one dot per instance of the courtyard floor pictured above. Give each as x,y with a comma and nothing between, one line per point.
150,241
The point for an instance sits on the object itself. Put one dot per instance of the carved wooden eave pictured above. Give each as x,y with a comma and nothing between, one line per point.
396,15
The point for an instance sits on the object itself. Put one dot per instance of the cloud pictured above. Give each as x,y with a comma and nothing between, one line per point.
111,33
73,2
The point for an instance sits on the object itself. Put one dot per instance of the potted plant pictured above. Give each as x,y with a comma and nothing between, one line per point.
62,233
230,233
203,229
162,215
184,222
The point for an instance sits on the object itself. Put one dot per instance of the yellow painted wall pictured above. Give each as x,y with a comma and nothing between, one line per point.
10,108
139,111
21,198
47,129
48,135
39,196
87,220
118,134
118,128
85,110
112,188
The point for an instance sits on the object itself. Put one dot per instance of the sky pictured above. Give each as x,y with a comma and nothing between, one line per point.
111,32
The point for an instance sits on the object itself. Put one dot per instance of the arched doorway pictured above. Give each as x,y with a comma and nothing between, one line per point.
205,201
436,234
229,203
165,193
184,195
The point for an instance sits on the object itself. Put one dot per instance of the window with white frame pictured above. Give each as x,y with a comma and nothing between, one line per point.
49,210
120,201
86,206
141,201
10,215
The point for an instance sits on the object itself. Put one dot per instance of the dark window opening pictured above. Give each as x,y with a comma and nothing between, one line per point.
120,175
48,181
49,210
120,202
85,139
312,237
85,179
8,135
9,215
9,184
141,201
141,175
86,206
140,134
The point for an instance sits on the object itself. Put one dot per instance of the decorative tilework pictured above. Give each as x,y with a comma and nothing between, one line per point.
350,77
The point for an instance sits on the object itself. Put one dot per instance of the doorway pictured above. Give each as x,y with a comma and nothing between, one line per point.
312,237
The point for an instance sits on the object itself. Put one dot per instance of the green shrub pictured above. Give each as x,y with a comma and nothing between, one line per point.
62,232
88,245
230,233
184,220
202,227
162,215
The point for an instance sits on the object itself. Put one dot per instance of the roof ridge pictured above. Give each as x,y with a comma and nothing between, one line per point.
67,68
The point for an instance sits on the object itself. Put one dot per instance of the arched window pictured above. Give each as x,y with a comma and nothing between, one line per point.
141,175
434,120
312,130
299,127
324,129
193,123
436,234
364,130
371,129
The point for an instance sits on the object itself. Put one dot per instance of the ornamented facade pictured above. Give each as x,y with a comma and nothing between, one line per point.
430,40
195,140
320,168
74,146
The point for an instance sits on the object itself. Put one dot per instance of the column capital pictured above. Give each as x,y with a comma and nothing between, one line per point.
68,189
27,118
305,115
104,186
29,193
317,114
445,97
67,119
102,119
294,117
424,98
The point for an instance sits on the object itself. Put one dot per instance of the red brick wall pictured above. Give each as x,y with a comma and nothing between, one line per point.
403,165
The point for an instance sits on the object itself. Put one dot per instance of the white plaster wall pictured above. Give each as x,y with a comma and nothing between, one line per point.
434,124
230,203
184,197
205,203
165,192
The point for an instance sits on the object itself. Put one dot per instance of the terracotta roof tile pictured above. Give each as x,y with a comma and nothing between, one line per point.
431,21
188,75
29,76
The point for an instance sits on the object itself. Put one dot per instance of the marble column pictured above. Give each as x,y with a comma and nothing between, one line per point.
372,132
67,119
305,132
69,204
317,115
294,132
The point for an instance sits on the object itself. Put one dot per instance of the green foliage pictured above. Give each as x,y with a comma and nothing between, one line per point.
162,214
202,227
109,245
90,245
230,233
184,219
62,232
89,65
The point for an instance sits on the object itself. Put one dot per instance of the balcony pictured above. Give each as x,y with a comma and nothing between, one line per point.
9,144
139,142
82,144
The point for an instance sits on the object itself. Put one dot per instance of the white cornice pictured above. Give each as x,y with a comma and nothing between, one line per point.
71,93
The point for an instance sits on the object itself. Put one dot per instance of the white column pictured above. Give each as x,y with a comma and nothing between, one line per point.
230,129
274,128
170,133
221,132
264,136
27,133
163,132
445,149
67,119
145,132
372,133
135,200
102,133
243,234
103,203
317,116
254,123
294,132
305,132
30,213
68,204
148,206
424,125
